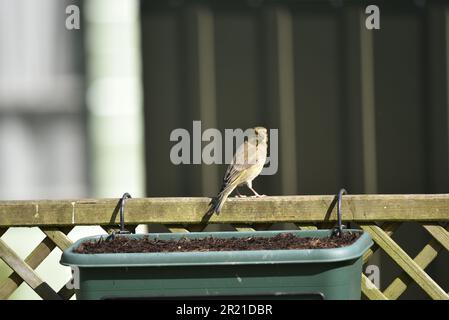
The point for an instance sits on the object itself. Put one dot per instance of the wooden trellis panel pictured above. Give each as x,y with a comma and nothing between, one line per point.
412,269
23,270
379,215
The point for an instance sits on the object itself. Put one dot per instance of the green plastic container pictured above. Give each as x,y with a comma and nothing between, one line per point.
283,274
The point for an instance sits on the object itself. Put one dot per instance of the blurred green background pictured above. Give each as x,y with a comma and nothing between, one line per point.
70,112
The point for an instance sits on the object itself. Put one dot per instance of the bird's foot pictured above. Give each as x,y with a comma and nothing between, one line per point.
240,196
259,196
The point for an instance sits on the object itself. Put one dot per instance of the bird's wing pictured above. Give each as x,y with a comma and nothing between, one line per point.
245,157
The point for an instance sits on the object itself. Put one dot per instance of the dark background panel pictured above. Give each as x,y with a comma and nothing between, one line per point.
400,93
370,107
317,102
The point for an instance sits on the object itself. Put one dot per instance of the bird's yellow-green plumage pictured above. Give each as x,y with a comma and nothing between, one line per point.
246,165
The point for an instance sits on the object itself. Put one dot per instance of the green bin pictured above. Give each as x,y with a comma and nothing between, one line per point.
260,274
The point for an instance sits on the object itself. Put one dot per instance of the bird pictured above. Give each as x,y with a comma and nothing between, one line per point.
246,165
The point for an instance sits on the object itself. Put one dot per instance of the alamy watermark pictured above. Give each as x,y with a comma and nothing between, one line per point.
74,282
73,19
372,272
220,147
373,20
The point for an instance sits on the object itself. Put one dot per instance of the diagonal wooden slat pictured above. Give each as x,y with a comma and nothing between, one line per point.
439,233
423,259
58,237
183,228
243,228
65,293
306,226
405,262
177,229
61,240
374,293
26,273
389,228
370,290
34,259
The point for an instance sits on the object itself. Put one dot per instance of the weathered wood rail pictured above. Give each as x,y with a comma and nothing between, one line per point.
380,215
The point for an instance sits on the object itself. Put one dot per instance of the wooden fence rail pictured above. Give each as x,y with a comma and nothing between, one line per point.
380,215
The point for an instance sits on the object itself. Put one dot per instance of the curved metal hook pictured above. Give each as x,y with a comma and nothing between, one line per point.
339,228
125,196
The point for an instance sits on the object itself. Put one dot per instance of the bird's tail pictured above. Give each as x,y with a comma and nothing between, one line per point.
216,204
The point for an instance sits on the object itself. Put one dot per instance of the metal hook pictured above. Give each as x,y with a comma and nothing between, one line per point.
122,213
339,229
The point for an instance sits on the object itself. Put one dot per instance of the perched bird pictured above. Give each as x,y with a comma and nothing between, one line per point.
246,165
